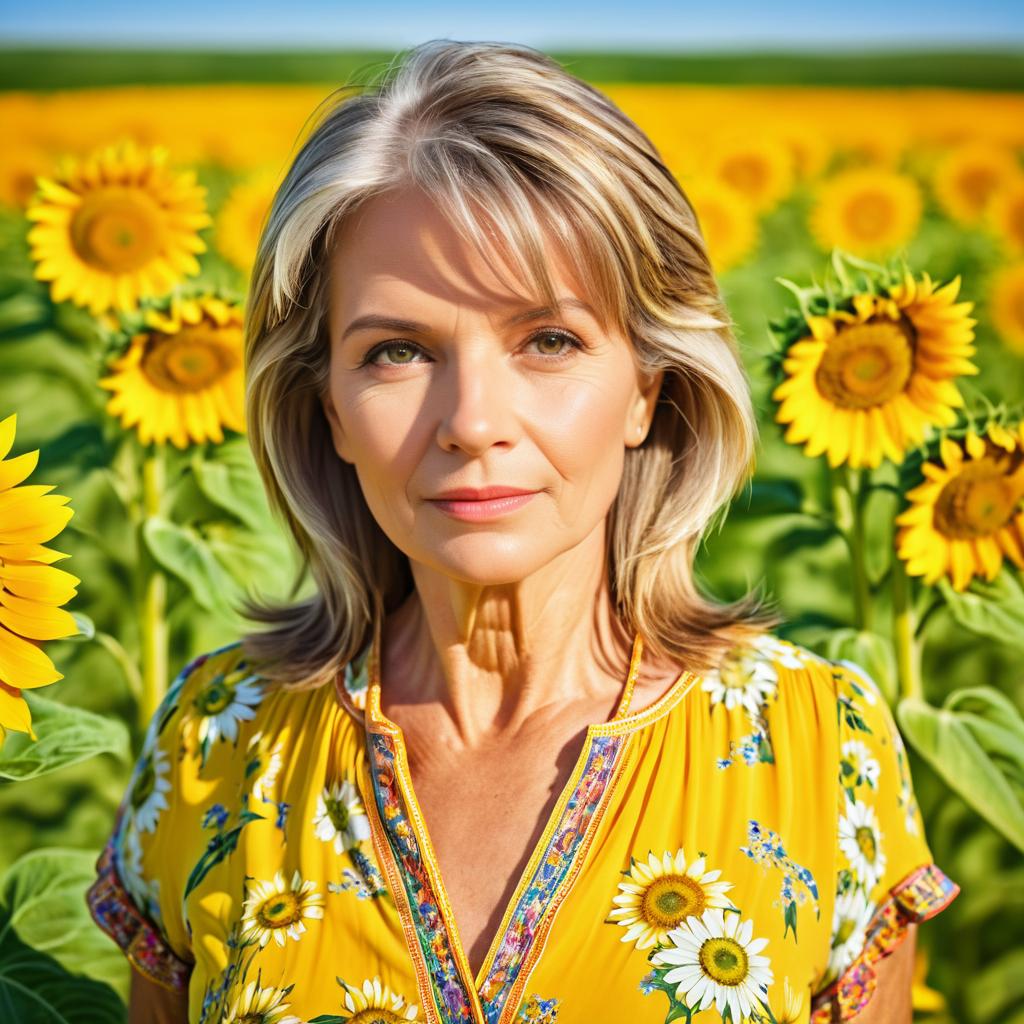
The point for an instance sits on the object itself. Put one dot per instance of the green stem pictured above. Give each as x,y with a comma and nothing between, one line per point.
153,626
848,504
908,664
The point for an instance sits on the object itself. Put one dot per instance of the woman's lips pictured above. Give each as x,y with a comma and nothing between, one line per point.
489,508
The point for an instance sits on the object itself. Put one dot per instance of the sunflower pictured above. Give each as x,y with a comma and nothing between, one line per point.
728,221
181,377
868,211
258,1005
115,226
867,382
968,176
33,588
1006,304
662,892
21,163
760,168
713,959
1005,214
276,909
241,219
969,511
375,1003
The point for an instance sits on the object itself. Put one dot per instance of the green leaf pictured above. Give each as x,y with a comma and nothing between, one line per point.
993,609
183,551
771,498
262,559
67,735
871,652
44,893
948,743
230,480
36,989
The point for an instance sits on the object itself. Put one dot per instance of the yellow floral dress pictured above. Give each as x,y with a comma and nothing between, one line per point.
744,849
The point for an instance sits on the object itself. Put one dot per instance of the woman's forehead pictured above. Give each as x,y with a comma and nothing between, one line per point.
403,250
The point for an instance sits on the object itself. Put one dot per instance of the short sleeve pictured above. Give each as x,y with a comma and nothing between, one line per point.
886,877
135,898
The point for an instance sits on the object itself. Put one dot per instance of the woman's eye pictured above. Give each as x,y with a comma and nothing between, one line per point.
404,351
554,345
558,339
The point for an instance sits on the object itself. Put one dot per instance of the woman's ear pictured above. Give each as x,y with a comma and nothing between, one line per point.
334,425
643,411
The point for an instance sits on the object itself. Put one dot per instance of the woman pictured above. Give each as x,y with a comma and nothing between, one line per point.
507,764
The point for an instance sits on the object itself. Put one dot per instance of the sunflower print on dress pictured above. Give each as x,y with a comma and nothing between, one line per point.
704,952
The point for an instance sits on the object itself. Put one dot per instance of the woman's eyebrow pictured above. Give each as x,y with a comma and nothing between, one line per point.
378,321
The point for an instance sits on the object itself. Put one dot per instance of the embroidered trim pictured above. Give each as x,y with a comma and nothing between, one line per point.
113,910
528,918
917,897
449,993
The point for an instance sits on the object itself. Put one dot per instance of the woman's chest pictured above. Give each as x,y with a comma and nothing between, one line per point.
446,892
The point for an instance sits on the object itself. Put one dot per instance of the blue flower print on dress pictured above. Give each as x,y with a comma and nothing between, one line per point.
798,884
536,1010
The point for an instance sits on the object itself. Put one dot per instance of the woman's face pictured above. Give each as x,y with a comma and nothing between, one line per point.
475,390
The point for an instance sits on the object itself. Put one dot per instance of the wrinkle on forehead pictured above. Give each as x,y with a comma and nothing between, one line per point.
406,237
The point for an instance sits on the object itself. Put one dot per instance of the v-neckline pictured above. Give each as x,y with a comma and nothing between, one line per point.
407,853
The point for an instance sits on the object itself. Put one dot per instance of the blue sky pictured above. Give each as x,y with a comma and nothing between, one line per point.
633,24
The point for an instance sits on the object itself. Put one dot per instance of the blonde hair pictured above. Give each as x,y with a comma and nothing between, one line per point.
540,151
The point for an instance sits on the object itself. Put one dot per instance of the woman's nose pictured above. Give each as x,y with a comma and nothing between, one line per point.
476,398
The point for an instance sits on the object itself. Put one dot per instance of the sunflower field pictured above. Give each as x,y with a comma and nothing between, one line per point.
870,245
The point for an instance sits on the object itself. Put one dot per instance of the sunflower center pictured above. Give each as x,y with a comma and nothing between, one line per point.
215,698
976,184
869,214
744,173
117,230
249,1018
723,960
146,783
978,501
337,811
279,910
866,843
191,360
671,898
867,364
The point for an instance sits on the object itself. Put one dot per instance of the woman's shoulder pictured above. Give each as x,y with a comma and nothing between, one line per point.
773,692
220,706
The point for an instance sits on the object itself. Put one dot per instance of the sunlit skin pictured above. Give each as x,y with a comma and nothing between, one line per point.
508,646
509,616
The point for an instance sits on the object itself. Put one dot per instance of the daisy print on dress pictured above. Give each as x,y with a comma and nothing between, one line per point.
222,702
861,841
714,960
371,1003
858,765
278,909
536,1010
850,918
340,818
798,884
145,891
147,797
746,679
662,892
